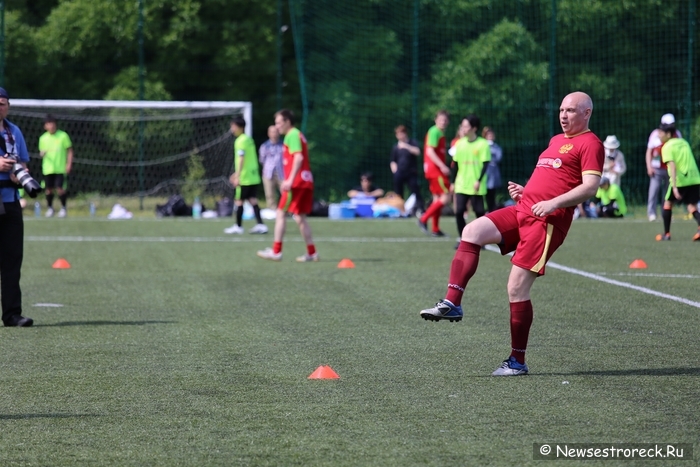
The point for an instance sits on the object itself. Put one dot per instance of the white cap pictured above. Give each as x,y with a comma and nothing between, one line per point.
668,119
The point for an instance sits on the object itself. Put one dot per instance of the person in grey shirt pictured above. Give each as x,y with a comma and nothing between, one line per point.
270,157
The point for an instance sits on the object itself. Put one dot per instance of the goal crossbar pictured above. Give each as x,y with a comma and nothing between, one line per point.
77,104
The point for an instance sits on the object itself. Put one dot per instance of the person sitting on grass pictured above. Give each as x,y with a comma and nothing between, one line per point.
366,188
609,200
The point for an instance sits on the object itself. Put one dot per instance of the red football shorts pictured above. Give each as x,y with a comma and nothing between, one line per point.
439,185
297,201
533,240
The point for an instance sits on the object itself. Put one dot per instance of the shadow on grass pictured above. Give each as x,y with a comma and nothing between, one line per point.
632,372
22,416
104,323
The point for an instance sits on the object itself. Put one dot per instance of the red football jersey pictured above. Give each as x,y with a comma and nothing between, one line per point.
294,142
560,169
435,139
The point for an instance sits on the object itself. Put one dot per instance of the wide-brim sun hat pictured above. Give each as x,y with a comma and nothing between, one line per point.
611,142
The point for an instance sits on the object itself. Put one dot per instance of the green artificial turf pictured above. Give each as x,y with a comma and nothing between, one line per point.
176,345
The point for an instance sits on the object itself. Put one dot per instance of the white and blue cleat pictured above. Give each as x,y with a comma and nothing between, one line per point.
511,367
444,309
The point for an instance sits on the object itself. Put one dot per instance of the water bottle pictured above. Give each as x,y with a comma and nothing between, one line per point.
197,208
92,209
37,209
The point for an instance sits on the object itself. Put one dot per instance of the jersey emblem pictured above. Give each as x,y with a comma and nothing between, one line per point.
556,163
566,148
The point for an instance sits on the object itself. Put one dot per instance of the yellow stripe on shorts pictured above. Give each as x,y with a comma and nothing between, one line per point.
543,259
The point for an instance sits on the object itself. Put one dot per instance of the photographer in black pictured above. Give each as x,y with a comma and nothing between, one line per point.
11,222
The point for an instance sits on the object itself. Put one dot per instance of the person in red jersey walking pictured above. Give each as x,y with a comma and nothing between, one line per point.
297,189
567,173
436,172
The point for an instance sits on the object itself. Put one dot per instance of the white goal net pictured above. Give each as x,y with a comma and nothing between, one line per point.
138,148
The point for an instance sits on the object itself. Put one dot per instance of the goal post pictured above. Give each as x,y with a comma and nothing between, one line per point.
137,148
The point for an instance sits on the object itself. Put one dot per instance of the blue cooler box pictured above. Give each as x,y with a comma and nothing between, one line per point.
363,206
341,211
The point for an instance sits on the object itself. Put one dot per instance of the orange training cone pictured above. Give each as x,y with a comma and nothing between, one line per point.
346,264
638,264
324,372
61,263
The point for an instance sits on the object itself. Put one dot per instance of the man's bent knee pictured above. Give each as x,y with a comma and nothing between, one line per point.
481,231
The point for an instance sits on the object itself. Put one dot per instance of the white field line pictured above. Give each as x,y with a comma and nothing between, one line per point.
600,278
231,239
645,290
246,239
649,274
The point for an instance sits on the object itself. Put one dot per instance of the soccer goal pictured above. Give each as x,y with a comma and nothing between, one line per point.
137,148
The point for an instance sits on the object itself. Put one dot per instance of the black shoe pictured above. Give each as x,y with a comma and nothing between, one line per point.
439,233
457,244
423,226
19,322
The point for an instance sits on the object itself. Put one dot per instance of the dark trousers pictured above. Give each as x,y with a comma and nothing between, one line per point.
411,179
461,201
609,210
11,254
491,199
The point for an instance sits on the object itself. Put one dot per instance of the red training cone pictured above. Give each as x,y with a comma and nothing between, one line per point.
324,372
61,263
638,264
345,263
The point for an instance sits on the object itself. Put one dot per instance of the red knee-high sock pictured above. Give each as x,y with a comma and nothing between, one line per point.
463,267
520,321
436,217
430,212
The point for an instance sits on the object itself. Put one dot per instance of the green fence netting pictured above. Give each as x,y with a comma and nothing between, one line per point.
366,66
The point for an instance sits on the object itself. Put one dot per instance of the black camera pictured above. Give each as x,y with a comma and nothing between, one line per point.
31,186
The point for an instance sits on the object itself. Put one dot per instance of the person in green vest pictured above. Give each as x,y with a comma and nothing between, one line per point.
245,178
684,179
56,151
472,155
610,200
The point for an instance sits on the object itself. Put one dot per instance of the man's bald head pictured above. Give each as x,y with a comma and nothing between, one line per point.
583,99
575,112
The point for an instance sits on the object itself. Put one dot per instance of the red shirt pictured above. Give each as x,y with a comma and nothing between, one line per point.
560,168
294,142
435,139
